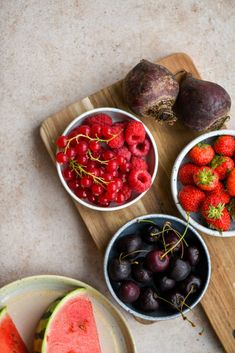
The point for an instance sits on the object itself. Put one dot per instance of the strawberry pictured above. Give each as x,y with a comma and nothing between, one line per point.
201,154
225,145
190,198
186,172
222,165
215,213
231,183
206,178
220,190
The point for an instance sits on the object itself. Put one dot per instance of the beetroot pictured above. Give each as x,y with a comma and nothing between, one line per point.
202,105
151,90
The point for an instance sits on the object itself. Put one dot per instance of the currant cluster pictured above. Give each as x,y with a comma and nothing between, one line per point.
105,162
156,268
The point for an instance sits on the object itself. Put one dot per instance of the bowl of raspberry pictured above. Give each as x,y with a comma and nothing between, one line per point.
107,159
203,183
157,267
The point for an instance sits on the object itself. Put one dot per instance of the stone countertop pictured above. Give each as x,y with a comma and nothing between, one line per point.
52,54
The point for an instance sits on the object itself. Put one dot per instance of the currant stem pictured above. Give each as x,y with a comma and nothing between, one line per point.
79,170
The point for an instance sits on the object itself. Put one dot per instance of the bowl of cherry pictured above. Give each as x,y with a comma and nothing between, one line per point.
157,267
107,159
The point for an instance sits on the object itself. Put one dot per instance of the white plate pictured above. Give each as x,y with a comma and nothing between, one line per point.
27,299
195,219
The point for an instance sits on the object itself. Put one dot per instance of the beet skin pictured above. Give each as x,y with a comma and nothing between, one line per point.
202,105
151,90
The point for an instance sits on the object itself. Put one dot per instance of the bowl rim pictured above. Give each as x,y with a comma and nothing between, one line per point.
106,275
174,178
155,151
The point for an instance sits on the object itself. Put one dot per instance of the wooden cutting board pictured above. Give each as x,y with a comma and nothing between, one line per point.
219,301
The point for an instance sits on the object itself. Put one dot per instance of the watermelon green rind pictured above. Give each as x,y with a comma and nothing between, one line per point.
3,312
40,341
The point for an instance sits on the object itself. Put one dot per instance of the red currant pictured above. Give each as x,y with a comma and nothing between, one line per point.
82,159
120,198
86,182
107,155
125,167
68,174
112,187
82,147
107,131
61,158
73,184
71,153
103,201
81,193
62,141
112,165
111,196
118,183
107,176
96,130
91,164
84,130
91,198
97,189
94,146
120,160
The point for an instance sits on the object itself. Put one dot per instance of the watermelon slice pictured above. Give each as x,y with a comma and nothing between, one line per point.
68,326
10,340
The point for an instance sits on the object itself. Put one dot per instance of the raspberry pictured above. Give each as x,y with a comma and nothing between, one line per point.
135,133
139,180
117,141
124,152
140,149
102,119
138,163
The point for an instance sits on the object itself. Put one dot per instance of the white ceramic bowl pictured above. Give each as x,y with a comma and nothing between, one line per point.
196,219
116,115
192,237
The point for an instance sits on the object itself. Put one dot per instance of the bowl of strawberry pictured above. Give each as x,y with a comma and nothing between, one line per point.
106,159
157,267
203,183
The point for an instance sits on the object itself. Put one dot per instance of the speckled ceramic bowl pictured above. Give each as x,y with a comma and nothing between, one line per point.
196,219
152,158
192,237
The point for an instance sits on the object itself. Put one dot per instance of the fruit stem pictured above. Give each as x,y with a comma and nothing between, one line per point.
121,257
180,239
96,159
79,170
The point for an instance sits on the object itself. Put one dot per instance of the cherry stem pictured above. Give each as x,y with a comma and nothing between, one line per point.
121,257
180,239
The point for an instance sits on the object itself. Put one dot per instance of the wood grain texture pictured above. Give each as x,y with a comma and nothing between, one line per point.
219,301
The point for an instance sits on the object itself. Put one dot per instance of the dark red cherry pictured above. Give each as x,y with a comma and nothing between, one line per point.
151,234
191,284
192,254
129,292
176,300
180,270
140,273
165,283
119,269
156,262
171,240
148,300
129,244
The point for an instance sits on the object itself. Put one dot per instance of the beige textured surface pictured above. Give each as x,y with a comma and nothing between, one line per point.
53,53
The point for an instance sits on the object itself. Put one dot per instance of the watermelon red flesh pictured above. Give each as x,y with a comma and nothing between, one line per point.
73,330
10,340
